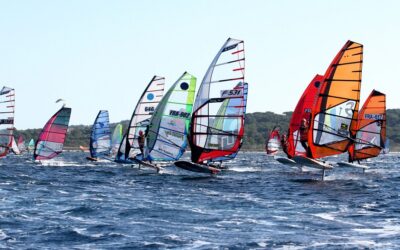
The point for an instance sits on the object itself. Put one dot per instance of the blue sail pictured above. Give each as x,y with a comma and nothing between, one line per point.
100,137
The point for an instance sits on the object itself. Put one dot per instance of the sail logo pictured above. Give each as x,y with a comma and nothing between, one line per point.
229,47
373,116
343,130
149,109
162,150
150,96
231,93
6,121
182,114
307,110
175,134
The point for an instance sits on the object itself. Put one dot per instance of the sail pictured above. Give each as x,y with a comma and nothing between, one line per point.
169,126
207,141
21,144
371,128
14,147
334,116
211,142
51,139
228,108
116,139
31,145
140,118
274,141
100,138
7,107
302,111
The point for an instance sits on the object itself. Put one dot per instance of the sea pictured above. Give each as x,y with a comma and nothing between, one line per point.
257,203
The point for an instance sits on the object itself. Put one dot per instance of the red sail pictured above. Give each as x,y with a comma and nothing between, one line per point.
371,128
274,142
303,110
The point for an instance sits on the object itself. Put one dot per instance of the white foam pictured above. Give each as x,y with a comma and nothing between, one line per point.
200,243
385,231
325,216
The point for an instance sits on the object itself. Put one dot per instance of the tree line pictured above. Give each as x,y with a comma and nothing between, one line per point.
258,126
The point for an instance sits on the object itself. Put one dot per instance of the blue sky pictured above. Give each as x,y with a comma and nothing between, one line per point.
101,54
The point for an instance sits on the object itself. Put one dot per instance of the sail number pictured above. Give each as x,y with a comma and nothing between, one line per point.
6,121
179,113
232,93
348,110
149,109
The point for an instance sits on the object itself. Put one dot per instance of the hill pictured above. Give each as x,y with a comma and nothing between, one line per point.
257,126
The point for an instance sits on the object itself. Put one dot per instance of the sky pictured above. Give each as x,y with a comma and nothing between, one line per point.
101,54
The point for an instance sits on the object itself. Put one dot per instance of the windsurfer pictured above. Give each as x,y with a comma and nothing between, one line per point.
284,143
141,139
304,135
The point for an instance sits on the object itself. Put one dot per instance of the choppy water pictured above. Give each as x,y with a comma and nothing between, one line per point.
257,204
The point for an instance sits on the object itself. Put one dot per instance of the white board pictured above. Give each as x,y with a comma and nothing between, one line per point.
351,165
311,162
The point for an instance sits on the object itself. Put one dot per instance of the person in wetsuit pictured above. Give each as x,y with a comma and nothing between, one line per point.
284,144
304,126
141,139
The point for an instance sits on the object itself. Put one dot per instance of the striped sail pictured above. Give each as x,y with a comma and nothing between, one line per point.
220,91
334,116
52,137
100,139
14,147
371,128
7,107
169,126
145,108
21,144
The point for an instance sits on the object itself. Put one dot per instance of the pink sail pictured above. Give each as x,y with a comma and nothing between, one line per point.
51,140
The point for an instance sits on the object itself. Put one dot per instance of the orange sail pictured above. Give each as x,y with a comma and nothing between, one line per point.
371,128
334,117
